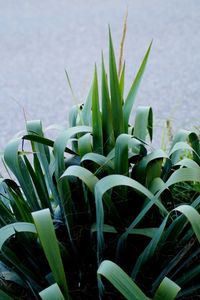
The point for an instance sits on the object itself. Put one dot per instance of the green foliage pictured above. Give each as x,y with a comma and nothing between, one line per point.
99,213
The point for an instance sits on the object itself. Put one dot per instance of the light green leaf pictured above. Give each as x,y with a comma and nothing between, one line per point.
133,90
148,232
16,164
144,170
123,143
47,236
143,123
60,144
7,231
167,290
102,161
87,108
85,144
43,154
121,281
180,147
121,80
186,136
53,292
188,163
85,175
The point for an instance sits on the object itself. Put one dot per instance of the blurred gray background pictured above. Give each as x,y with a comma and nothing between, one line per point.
39,39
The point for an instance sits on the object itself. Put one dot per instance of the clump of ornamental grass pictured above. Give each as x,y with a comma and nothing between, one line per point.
98,213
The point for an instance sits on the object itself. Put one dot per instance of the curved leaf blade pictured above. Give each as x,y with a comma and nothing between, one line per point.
121,281
167,290
51,293
143,123
83,174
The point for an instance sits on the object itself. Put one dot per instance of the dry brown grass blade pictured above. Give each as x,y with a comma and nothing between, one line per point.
122,44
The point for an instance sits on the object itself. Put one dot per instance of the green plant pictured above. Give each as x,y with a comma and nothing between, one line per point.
106,206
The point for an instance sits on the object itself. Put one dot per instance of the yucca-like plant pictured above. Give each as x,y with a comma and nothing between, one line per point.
99,213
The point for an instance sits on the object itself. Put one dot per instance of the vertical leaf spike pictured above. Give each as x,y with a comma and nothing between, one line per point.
122,44
134,88
108,136
121,81
96,117
116,98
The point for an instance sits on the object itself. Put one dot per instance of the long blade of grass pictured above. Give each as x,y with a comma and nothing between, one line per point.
121,81
190,275
108,135
63,186
44,141
133,90
175,264
20,208
39,184
6,215
116,97
47,236
6,233
123,143
18,167
43,154
96,117
122,44
177,226
148,232
192,216
181,175
120,280
191,291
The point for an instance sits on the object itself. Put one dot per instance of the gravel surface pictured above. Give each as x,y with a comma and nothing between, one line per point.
39,39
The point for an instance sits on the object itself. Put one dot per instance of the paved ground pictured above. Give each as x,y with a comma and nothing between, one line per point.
39,39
